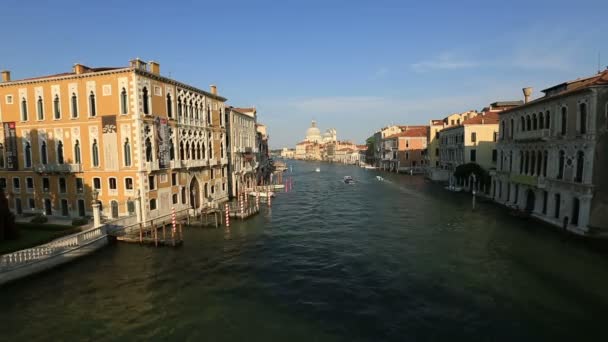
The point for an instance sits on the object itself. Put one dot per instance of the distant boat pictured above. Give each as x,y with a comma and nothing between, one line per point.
379,178
349,180
370,167
317,170
261,193
453,188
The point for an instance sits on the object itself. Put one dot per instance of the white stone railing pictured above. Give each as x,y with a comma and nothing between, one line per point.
55,247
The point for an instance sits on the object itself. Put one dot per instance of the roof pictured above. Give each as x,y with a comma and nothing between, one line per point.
437,122
87,70
490,118
507,103
411,133
243,109
567,88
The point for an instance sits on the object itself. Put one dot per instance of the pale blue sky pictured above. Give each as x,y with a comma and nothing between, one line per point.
352,65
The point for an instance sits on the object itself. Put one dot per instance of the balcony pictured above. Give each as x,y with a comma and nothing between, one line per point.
537,181
536,135
58,168
224,161
212,162
192,164
152,166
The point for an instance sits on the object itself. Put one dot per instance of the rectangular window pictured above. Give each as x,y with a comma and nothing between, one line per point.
545,197
32,203
3,183
558,200
494,155
9,99
46,184
151,182
174,179
63,187
129,183
97,183
112,183
164,178
174,198
473,137
153,204
495,137
436,152
79,185
29,183
473,155
16,184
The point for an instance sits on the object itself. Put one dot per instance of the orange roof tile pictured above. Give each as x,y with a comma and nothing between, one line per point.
490,118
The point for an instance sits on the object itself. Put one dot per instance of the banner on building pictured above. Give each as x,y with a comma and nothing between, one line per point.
110,146
10,145
162,142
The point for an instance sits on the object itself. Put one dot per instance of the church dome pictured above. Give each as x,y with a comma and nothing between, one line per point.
313,133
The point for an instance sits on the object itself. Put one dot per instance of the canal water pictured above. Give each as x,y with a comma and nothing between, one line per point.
375,261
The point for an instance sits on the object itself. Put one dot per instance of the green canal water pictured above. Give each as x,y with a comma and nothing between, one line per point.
400,260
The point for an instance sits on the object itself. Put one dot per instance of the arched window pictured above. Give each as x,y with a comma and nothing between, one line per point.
502,130
179,106
523,124
193,152
60,152
548,119
583,118
521,162
203,151
148,150
181,150
74,105
560,168
534,122
169,106
564,120
222,150
43,153
92,109
77,158
198,151
191,110
576,204
539,162
532,162
28,155
57,107
541,121
171,150
502,159
545,160
527,163
512,128
95,150
144,99
123,101
130,207
40,107
511,161
528,123
127,152
580,163
208,115
187,150
184,198
23,109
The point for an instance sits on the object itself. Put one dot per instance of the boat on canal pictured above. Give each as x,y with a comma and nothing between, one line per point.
317,170
349,180
379,178
262,194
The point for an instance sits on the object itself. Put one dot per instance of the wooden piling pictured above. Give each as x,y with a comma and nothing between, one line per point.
141,233
155,236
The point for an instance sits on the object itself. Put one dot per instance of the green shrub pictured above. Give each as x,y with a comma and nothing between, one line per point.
79,221
39,218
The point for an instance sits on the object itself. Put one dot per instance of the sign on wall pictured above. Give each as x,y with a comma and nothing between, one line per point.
162,142
10,145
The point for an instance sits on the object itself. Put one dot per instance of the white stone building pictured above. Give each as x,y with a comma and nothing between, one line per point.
242,149
553,158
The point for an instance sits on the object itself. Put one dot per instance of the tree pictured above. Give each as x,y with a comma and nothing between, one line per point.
8,229
465,170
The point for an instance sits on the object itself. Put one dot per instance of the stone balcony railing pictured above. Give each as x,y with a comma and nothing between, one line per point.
152,166
58,168
212,162
195,163
537,181
536,135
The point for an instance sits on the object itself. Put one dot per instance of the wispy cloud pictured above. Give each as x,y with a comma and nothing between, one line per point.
445,61
380,72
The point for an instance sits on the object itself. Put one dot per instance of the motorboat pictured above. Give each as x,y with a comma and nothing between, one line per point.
370,167
379,178
317,170
262,194
349,180
453,188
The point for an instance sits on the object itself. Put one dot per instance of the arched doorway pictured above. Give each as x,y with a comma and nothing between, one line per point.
530,201
114,209
194,195
205,192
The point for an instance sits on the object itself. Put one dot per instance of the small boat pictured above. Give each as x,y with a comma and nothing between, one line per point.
262,194
349,180
379,178
370,167
453,188
317,170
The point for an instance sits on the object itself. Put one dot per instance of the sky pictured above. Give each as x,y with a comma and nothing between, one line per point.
351,65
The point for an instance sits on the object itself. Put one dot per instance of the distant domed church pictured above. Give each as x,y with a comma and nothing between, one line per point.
313,134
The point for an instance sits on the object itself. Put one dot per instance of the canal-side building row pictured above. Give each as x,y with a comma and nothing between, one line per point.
111,133
405,151
553,156
243,149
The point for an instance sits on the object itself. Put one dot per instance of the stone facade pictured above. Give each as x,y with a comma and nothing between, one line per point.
243,149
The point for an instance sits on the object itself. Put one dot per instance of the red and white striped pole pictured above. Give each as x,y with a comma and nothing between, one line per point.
269,199
227,207
242,205
257,200
174,229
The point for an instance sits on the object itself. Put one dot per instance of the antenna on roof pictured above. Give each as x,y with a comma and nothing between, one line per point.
598,62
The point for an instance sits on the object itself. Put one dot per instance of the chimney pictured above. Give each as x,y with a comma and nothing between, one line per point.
527,93
213,89
78,68
6,76
154,67
138,64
